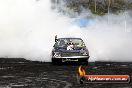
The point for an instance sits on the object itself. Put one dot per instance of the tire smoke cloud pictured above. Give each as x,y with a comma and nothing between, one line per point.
28,27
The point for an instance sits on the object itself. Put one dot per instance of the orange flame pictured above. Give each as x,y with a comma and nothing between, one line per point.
81,71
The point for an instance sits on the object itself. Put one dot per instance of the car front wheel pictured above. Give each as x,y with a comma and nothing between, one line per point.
56,61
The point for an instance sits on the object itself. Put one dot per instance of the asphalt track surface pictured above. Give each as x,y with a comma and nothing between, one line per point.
46,75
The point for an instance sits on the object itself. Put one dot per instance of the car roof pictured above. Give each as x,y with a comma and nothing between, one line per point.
69,38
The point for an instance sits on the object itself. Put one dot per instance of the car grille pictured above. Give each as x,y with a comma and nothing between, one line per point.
67,54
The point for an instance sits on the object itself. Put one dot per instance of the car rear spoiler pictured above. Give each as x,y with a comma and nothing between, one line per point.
56,38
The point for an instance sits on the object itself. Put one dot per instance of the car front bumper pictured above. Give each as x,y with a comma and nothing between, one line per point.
71,59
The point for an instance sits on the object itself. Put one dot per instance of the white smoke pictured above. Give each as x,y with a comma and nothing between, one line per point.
28,27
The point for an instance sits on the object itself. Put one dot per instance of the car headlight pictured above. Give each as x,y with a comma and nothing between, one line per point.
57,54
83,52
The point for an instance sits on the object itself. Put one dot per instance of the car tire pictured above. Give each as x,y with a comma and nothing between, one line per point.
85,62
56,62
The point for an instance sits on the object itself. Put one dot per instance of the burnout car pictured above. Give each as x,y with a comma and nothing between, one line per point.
69,50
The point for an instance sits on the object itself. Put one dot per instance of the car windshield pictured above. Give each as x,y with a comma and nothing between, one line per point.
62,42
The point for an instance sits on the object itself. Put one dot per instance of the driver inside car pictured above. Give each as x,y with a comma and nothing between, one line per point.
70,46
